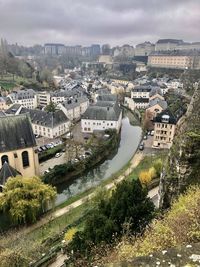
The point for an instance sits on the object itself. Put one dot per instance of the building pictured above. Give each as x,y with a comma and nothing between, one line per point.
48,124
141,91
65,95
136,103
43,98
26,97
74,108
54,49
5,103
164,129
18,145
144,49
167,44
7,172
102,116
176,59
156,106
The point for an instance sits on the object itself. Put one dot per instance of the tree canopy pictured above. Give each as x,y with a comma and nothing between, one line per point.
128,204
26,198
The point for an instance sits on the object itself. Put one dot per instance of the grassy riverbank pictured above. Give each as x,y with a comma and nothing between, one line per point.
34,241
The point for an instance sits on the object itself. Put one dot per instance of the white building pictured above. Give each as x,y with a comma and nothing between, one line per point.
74,108
102,116
43,98
27,98
48,124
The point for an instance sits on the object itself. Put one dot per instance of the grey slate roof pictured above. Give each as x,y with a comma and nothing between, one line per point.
176,53
23,94
13,109
43,118
107,97
142,88
16,133
155,90
172,118
2,114
174,41
141,100
72,103
107,111
161,103
6,172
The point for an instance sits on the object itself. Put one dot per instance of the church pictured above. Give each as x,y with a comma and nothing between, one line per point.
18,153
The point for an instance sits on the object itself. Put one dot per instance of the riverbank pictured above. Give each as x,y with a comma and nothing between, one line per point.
99,153
47,234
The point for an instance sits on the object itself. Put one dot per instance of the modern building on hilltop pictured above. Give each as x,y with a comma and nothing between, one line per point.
18,146
175,59
167,44
102,116
144,49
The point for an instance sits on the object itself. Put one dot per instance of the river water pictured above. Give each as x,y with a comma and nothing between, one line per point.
130,138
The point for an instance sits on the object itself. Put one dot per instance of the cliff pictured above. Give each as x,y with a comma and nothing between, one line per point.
183,164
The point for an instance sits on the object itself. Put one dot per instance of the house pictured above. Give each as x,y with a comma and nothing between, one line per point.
48,124
136,103
141,91
5,103
17,147
156,105
74,108
26,97
102,116
164,129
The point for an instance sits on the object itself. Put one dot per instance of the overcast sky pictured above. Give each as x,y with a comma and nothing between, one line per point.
85,22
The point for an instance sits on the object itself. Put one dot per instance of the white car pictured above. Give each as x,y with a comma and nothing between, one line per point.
58,155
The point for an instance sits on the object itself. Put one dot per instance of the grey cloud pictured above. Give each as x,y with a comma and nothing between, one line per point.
98,21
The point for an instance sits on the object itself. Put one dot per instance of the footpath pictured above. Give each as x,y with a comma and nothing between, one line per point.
59,212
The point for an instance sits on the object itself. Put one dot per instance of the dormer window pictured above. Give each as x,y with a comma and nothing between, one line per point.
165,119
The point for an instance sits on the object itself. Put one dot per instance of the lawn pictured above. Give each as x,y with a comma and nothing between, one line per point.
147,163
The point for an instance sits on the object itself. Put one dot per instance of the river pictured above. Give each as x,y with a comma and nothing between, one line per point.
130,138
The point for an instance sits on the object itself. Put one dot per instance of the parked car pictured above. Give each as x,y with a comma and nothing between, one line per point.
152,133
141,147
149,133
39,149
145,137
58,155
46,171
43,148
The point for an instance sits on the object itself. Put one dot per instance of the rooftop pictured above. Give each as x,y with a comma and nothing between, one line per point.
16,133
109,111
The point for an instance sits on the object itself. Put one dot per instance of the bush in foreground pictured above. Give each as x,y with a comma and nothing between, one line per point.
181,225
24,199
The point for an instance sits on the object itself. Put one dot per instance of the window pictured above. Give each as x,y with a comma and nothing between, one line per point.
25,159
4,158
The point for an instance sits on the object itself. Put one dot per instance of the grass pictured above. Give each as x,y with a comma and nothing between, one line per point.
146,163
40,240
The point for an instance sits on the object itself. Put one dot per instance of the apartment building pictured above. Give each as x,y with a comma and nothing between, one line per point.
176,59
26,97
102,116
144,49
75,107
43,98
167,44
164,129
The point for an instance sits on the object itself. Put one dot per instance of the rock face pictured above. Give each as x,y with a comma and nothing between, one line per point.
183,165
